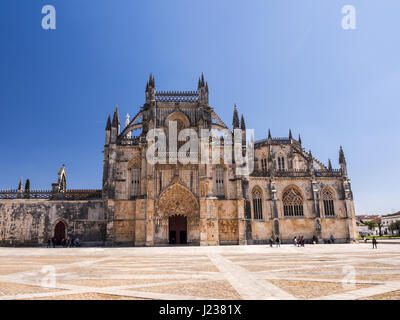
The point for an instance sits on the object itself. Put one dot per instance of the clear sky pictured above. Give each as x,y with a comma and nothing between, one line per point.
285,63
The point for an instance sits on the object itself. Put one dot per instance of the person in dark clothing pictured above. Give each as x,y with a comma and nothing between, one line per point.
374,243
332,238
271,242
48,243
278,242
53,242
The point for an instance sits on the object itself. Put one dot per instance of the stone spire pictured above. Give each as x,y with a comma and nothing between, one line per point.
269,134
108,131
235,121
20,185
108,126
342,162
329,165
151,83
242,123
299,139
202,90
290,134
115,121
342,159
150,89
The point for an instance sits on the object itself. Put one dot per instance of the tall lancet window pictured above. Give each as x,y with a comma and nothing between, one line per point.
160,181
135,182
327,197
220,188
281,162
257,203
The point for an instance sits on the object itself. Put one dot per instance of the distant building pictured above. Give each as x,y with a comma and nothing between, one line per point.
362,229
387,220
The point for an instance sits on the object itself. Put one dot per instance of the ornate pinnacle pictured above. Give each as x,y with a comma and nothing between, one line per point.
342,158
242,123
115,121
235,121
108,126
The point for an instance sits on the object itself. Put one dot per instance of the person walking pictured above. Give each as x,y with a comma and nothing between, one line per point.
374,243
271,242
278,241
332,238
295,241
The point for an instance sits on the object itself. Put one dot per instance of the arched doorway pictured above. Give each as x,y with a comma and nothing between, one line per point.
177,217
177,229
59,232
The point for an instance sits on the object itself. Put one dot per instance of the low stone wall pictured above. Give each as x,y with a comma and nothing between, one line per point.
31,222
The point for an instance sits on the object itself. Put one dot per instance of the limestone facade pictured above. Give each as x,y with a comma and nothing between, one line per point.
289,193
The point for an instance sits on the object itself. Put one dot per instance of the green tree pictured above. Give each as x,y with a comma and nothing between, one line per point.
371,224
395,226
380,225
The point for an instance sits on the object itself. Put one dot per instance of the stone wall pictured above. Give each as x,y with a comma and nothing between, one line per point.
32,222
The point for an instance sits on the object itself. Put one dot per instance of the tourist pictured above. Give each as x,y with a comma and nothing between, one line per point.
77,244
295,241
48,243
53,242
278,242
271,242
374,243
332,238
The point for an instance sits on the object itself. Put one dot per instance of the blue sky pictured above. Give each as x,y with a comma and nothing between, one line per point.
285,63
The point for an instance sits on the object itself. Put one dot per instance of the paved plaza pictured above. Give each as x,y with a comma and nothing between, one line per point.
340,271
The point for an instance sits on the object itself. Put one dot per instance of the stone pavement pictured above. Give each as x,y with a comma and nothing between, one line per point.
340,271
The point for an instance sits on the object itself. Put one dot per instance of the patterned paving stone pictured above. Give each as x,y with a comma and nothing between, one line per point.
221,272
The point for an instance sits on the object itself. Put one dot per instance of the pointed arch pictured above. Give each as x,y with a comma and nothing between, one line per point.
134,172
178,116
281,160
59,231
257,200
292,199
177,199
328,197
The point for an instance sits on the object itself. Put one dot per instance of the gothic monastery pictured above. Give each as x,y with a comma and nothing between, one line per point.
288,193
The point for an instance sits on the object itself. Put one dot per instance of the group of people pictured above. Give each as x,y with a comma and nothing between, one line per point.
299,242
65,243
277,241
